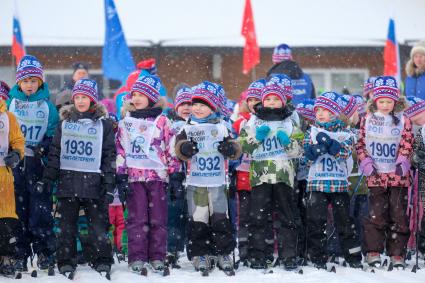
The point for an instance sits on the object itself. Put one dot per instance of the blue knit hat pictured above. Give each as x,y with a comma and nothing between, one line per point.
330,101
255,88
361,103
29,66
368,85
282,81
207,92
349,105
4,90
416,106
386,87
87,87
305,109
184,95
281,52
149,86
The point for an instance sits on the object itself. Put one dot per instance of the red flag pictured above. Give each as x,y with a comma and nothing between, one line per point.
251,51
391,55
18,49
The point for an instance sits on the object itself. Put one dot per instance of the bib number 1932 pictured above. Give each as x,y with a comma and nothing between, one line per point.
210,163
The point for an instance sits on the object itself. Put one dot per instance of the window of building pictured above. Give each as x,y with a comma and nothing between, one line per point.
338,79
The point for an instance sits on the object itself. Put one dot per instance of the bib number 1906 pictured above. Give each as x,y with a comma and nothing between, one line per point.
385,150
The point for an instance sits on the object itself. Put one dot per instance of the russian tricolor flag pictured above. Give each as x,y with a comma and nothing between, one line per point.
391,54
18,48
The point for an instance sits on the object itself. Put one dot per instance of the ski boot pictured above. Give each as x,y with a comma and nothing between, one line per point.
21,265
7,267
373,259
67,270
290,263
172,260
159,267
257,263
202,264
396,261
46,263
104,269
225,263
138,266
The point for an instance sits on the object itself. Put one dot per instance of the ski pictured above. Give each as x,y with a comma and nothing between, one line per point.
106,274
144,271
204,272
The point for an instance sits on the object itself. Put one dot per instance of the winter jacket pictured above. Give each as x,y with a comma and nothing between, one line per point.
163,141
415,81
271,171
404,150
302,84
330,186
419,145
16,143
242,177
81,184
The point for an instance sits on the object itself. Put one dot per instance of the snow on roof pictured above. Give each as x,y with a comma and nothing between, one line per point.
215,22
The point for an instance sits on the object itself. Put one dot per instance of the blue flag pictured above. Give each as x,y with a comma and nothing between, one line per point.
117,61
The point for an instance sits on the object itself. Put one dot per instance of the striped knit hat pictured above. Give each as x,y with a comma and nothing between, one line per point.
208,93
416,106
386,87
184,95
4,90
284,82
279,85
349,105
281,52
148,86
87,87
255,88
305,109
368,86
330,101
29,66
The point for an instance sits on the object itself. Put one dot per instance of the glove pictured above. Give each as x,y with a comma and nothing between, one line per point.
367,166
402,166
123,187
12,159
323,138
189,149
283,138
226,149
334,148
314,151
42,187
109,188
418,159
175,185
262,132
39,150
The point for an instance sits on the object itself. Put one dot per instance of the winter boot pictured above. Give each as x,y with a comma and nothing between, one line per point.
201,263
66,268
225,262
44,262
258,263
157,265
7,267
21,265
289,263
137,266
373,258
102,267
398,261
172,260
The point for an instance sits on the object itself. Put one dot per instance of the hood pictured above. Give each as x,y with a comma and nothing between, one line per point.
400,105
287,67
42,93
69,112
411,69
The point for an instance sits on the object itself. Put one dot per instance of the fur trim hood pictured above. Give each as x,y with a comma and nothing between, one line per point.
399,106
69,112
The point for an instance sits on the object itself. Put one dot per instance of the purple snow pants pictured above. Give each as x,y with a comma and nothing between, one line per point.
147,221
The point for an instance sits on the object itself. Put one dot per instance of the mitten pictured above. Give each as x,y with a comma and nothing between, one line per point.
283,138
189,149
262,132
367,166
226,149
12,159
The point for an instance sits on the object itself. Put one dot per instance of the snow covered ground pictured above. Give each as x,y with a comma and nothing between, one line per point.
121,274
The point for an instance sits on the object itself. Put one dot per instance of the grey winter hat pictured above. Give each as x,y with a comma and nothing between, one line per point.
418,48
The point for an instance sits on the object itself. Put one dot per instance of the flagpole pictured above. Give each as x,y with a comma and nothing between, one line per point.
253,74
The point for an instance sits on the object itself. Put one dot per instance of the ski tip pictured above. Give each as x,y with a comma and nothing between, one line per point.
300,271
144,272
18,275
333,269
34,273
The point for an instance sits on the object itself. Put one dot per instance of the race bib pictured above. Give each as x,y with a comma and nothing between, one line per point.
382,140
271,148
4,137
137,143
81,145
327,167
177,126
33,118
207,166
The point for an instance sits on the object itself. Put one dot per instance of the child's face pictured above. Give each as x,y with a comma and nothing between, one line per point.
30,85
272,101
418,120
80,74
251,102
82,102
385,105
200,110
184,110
139,100
323,115
419,61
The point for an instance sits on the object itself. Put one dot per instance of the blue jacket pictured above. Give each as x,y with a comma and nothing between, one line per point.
42,93
415,86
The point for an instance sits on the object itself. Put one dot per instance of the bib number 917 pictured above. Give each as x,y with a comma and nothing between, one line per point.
31,132
210,163
80,147
385,150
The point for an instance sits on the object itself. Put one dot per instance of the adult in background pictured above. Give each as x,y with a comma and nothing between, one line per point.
415,70
81,71
302,84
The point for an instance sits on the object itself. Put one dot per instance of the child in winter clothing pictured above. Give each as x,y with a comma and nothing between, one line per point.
82,157
37,117
368,88
269,138
145,148
327,147
205,143
12,144
252,98
177,205
384,150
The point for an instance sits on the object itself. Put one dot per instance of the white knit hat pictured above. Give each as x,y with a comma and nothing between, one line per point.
418,48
